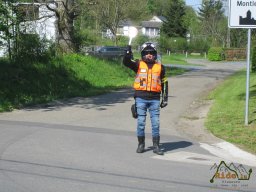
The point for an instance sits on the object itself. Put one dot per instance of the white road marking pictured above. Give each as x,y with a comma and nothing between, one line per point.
223,151
228,151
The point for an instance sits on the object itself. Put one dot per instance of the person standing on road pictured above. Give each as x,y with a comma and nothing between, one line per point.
150,86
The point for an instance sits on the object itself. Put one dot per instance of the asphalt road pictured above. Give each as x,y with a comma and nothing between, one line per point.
89,144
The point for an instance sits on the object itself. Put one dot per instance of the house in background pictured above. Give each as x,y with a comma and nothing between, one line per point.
36,19
152,27
149,28
122,29
124,26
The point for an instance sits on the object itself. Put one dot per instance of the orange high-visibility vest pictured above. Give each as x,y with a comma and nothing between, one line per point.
148,79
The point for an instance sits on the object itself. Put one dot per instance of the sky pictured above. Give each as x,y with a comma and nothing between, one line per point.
197,3
194,3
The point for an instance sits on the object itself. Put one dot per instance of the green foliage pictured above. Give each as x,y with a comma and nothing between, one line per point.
226,116
213,23
216,54
210,8
174,44
174,26
68,76
254,59
30,48
198,45
86,37
151,6
238,38
123,41
7,24
140,39
117,11
190,20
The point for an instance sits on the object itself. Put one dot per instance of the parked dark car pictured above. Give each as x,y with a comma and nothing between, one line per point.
109,52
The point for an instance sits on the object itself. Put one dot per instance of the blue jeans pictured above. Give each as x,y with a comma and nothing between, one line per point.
154,110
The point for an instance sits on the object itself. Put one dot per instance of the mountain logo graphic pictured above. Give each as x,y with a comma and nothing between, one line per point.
230,172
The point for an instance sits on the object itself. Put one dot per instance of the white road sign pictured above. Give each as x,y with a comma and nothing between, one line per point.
242,14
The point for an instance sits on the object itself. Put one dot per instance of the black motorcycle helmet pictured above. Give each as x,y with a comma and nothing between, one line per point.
148,48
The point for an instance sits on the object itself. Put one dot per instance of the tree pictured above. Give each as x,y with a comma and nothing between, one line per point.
238,38
151,6
213,22
7,24
191,21
174,13
65,11
110,13
160,7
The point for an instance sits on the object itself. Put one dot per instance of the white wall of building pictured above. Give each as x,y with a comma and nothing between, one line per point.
44,26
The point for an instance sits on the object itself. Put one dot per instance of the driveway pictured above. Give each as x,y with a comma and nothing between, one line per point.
89,144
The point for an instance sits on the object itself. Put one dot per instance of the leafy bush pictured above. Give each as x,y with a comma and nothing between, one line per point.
216,54
198,46
86,37
30,48
254,59
173,44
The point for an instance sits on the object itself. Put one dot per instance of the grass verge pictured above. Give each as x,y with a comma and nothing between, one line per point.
226,116
177,59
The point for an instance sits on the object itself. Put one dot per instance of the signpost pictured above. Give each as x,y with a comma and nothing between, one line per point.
242,14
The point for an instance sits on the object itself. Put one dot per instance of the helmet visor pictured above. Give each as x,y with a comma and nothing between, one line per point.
149,52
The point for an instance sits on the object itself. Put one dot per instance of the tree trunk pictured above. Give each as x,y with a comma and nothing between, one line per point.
65,27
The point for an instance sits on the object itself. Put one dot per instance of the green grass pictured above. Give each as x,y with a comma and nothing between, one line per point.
226,118
71,76
174,58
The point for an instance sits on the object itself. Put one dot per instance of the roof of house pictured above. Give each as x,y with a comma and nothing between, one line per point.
126,23
151,24
155,22
162,18
158,19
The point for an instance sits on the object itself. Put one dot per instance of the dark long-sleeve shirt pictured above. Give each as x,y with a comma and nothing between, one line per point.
134,65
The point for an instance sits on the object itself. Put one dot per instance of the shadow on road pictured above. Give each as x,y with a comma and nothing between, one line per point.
170,146
175,145
100,102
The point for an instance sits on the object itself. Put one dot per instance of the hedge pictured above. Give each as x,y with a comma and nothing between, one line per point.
216,54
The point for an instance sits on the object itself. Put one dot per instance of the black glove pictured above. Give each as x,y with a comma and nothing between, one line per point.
164,103
129,48
134,111
128,52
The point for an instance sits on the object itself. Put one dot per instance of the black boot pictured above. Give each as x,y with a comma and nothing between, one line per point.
141,145
156,148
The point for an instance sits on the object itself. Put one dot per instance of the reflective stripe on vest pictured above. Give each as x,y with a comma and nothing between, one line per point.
148,79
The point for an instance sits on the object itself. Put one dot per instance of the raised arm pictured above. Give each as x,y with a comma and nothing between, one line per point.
128,60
